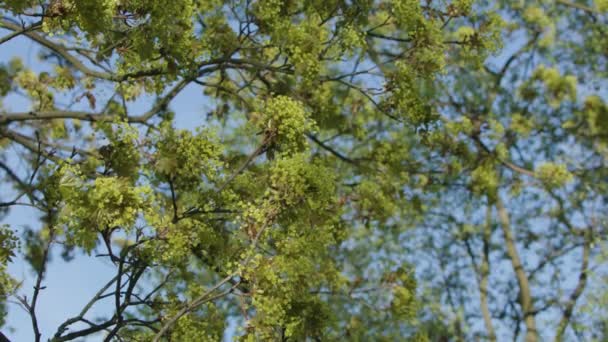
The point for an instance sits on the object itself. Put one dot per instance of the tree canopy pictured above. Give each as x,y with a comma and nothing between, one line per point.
364,169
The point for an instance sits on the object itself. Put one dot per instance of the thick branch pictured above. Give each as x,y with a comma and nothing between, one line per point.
581,7
88,331
60,50
6,118
525,293
506,163
485,271
17,33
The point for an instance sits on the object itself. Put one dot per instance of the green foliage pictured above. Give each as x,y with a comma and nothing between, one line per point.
521,125
121,155
559,87
205,326
284,122
93,207
536,16
186,158
9,246
407,99
595,113
484,179
9,243
373,200
553,175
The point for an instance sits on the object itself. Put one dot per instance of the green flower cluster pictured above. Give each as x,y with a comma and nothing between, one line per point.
185,158
92,207
553,175
284,122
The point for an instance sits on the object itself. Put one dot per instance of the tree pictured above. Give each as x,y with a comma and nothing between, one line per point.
521,214
363,165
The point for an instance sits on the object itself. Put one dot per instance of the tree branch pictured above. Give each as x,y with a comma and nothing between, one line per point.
17,33
61,51
38,287
331,150
578,291
525,294
64,326
581,7
485,272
